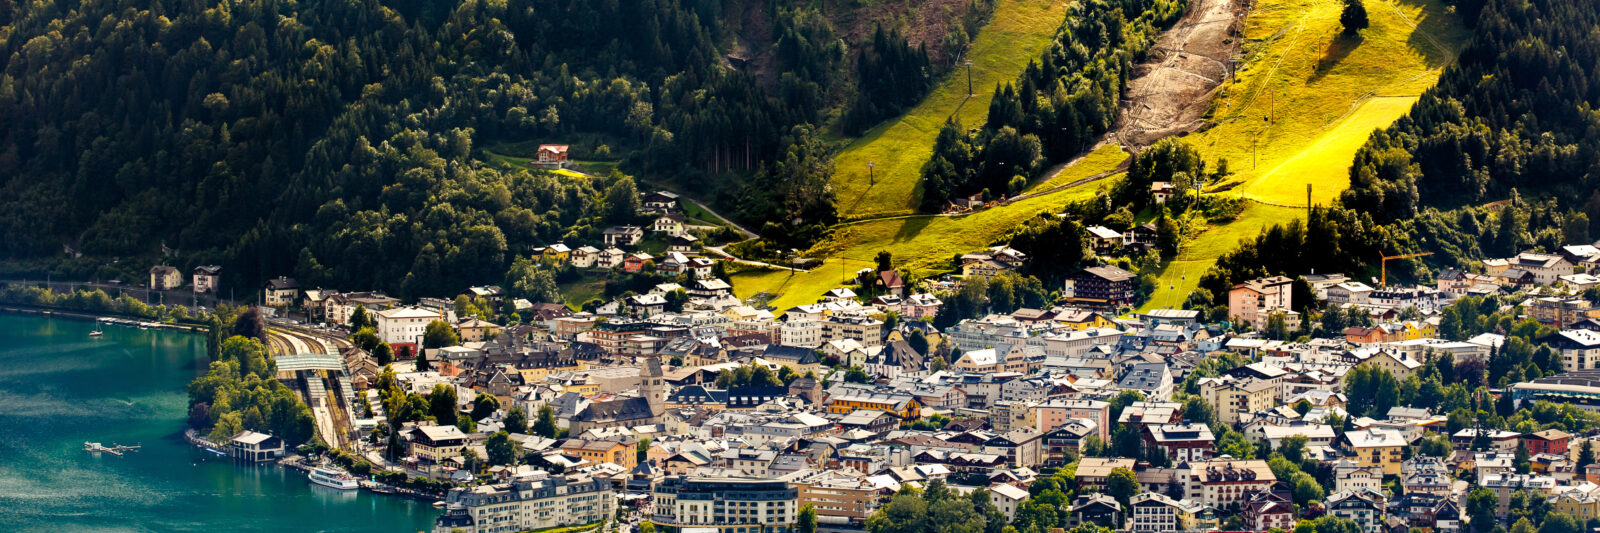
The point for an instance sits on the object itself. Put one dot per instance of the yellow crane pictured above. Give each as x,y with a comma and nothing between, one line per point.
1385,264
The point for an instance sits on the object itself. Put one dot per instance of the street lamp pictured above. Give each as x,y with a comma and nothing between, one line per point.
872,180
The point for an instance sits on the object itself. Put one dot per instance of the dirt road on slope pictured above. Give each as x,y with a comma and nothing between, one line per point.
1172,89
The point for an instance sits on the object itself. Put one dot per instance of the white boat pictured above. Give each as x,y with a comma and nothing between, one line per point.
96,333
329,477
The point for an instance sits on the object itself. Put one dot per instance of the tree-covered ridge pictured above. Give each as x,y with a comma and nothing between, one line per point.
1516,111
1059,106
340,141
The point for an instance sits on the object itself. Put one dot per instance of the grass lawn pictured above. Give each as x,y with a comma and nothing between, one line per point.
1018,32
1324,93
495,158
1183,273
591,285
1102,159
696,213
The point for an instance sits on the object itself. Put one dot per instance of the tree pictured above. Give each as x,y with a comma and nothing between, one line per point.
546,425
500,449
442,404
383,354
647,527
806,522
1481,507
1122,484
1277,326
484,405
1558,522
856,375
885,261
422,362
360,319
1354,17
918,341
439,334
516,421
1585,454
250,324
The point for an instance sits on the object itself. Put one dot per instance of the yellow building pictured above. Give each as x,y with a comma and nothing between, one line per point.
902,405
557,253
1377,448
602,451
1081,320
1230,397
1579,505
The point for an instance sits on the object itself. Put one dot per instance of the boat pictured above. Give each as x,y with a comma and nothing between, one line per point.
329,477
96,333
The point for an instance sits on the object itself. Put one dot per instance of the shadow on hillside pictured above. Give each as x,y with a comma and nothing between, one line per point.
911,227
1438,48
1337,50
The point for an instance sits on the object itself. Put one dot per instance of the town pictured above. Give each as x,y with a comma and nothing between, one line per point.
1467,404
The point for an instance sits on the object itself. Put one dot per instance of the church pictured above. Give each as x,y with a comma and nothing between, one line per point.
628,412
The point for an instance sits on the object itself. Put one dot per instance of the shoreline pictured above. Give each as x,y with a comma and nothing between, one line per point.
74,314
298,463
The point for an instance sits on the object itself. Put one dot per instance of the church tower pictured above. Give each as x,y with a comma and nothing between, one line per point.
652,386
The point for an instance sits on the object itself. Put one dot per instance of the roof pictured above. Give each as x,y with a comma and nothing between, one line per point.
1374,438
1103,232
1108,273
557,148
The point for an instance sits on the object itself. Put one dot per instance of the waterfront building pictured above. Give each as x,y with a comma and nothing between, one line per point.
255,447
538,501
726,504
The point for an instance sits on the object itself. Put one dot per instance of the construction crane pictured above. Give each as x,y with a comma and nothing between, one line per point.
1385,265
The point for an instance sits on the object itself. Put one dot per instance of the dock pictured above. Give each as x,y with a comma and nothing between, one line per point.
113,449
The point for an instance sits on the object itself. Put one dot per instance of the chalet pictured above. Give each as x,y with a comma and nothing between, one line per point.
608,258
670,224
1181,442
1142,236
1160,191
1543,268
207,278
585,256
645,305
1104,239
889,281
684,243
623,235
552,155
635,262
281,292
710,288
164,278
557,253
659,202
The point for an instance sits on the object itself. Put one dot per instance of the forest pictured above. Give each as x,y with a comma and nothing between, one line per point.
343,143
1060,105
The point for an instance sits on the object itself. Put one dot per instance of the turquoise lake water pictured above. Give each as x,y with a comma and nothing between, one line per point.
60,388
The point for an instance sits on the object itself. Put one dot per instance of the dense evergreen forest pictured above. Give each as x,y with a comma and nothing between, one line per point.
1501,157
342,142
1058,107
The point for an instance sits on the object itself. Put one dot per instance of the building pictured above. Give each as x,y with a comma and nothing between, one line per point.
725,504
602,451
1232,398
437,443
255,447
1364,507
1374,447
1156,513
1104,286
1580,348
1253,301
281,292
207,278
403,327
1547,441
1225,482
535,502
841,494
848,400
623,235
1544,268
1350,292
165,278
553,155
627,412
670,224
1181,442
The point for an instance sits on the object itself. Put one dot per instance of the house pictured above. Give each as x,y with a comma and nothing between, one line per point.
1160,191
889,281
659,202
1544,269
281,292
602,451
1098,509
557,253
474,329
710,288
1547,441
623,235
1232,398
1101,287
1225,482
585,256
644,306
553,155
670,224
684,243
609,258
1104,239
165,278
1349,476
1266,511
1181,442
1350,292
983,267
207,278
635,262
437,443
255,447
1252,301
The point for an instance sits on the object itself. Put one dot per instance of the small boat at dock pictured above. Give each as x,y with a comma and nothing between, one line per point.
113,449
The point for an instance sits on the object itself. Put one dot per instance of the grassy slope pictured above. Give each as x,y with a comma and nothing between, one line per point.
923,244
1325,94
1019,32
1107,156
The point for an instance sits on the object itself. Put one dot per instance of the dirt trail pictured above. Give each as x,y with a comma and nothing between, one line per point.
1171,90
